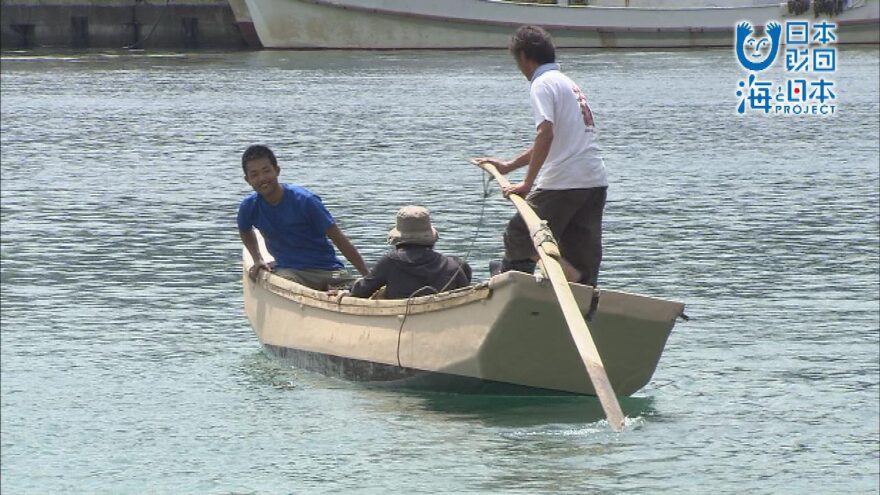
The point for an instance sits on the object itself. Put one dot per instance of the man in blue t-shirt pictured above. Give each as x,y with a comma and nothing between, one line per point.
295,224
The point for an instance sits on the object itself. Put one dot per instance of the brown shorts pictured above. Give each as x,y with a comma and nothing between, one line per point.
317,279
574,217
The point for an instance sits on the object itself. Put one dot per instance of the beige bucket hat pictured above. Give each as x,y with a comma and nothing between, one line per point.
413,227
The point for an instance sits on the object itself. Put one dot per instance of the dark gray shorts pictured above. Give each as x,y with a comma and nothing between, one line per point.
574,217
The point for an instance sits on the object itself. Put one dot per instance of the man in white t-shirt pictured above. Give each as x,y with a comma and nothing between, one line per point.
566,174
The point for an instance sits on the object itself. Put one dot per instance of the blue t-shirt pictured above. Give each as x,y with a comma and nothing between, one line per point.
294,229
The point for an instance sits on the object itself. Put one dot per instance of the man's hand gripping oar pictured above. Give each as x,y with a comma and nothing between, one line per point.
580,332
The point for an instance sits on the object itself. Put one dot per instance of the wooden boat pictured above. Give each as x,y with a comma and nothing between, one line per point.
507,333
418,24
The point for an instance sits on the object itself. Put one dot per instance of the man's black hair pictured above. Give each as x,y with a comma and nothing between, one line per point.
535,43
255,152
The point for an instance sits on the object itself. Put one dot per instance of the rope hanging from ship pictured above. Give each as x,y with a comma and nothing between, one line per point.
140,43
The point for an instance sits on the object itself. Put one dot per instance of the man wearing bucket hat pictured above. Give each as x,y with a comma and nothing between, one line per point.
413,268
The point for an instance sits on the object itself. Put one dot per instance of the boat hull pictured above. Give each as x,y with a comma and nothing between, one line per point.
245,23
387,376
507,331
465,24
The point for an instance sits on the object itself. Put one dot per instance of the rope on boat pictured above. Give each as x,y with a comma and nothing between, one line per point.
486,181
544,234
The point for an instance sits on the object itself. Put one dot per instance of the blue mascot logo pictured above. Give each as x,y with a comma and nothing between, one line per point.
757,57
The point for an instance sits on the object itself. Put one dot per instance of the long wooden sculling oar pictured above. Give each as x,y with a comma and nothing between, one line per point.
580,332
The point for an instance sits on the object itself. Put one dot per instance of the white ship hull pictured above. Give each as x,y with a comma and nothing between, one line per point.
462,24
245,23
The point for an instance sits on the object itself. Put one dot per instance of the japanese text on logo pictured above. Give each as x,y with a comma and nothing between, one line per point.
810,58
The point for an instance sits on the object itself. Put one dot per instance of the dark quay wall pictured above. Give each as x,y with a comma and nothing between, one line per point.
172,24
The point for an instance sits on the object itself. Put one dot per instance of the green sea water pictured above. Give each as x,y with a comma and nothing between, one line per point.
128,365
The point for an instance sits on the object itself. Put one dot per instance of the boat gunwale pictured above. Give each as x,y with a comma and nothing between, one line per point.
298,293
344,5
778,5
301,294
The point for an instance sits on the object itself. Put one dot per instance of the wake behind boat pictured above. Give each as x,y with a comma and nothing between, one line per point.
455,24
508,330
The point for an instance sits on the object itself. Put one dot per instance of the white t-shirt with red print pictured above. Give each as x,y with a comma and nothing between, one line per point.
575,159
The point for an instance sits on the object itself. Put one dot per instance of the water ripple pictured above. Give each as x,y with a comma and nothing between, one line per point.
127,361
